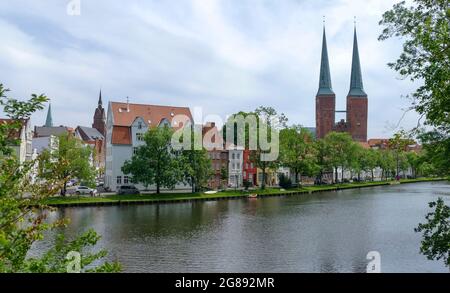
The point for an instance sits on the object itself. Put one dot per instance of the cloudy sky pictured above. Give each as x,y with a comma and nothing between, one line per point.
224,56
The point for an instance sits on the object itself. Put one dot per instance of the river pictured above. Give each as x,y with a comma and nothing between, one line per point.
322,232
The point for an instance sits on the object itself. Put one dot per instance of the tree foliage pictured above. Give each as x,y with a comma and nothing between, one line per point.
155,162
196,166
70,160
436,232
297,151
23,219
425,28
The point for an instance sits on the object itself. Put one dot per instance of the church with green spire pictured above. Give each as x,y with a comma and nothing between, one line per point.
357,100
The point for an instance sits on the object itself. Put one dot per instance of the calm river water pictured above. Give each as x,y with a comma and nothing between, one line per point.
324,232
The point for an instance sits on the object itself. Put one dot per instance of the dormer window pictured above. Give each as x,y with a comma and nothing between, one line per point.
139,125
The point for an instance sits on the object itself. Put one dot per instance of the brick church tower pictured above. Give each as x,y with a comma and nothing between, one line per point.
357,102
99,117
325,98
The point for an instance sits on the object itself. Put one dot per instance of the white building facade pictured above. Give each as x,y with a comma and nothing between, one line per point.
126,125
235,166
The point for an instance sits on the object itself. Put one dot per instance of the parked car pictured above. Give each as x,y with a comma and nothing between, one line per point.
127,189
79,190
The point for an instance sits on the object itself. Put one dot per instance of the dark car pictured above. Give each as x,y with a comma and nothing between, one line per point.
127,189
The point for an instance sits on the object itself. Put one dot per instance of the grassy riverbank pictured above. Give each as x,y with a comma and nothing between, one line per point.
229,194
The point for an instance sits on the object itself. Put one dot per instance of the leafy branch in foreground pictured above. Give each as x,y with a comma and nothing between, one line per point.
436,232
23,219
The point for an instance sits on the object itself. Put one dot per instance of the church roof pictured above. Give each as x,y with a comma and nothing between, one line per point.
44,131
89,133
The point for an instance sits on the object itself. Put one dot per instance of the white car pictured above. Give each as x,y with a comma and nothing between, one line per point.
79,190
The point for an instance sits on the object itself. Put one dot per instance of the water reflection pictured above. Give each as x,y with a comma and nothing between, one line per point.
328,232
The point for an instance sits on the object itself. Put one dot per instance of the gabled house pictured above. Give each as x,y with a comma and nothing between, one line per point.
126,125
96,140
213,143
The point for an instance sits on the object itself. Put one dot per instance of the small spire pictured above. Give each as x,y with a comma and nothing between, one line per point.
49,120
100,102
128,104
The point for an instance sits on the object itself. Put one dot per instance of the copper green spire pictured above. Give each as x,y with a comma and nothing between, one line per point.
356,82
325,87
49,120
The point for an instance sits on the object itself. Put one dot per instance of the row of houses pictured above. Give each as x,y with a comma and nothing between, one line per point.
116,134
33,141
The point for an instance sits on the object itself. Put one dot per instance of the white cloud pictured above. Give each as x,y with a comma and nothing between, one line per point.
225,56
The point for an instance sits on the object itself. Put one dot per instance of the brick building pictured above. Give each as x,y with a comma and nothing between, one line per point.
213,142
357,102
250,171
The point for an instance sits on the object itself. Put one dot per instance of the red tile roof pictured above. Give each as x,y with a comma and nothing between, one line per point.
125,114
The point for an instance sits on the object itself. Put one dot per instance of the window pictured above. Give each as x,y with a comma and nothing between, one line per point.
232,156
135,150
119,180
238,156
125,179
139,125
140,136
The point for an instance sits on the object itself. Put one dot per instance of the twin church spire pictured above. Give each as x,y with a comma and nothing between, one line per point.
357,103
325,87
356,82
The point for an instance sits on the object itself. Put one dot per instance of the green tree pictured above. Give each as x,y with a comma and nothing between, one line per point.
436,233
23,219
386,161
359,160
70,160
323,158
297,151
340,148
424,27
370,161
270,120
196,166
257,159
398,144
436,147
223,176
155,162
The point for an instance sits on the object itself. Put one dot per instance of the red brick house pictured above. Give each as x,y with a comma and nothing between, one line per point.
213,142
249,169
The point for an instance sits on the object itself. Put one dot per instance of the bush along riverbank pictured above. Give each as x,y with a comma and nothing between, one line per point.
229,194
